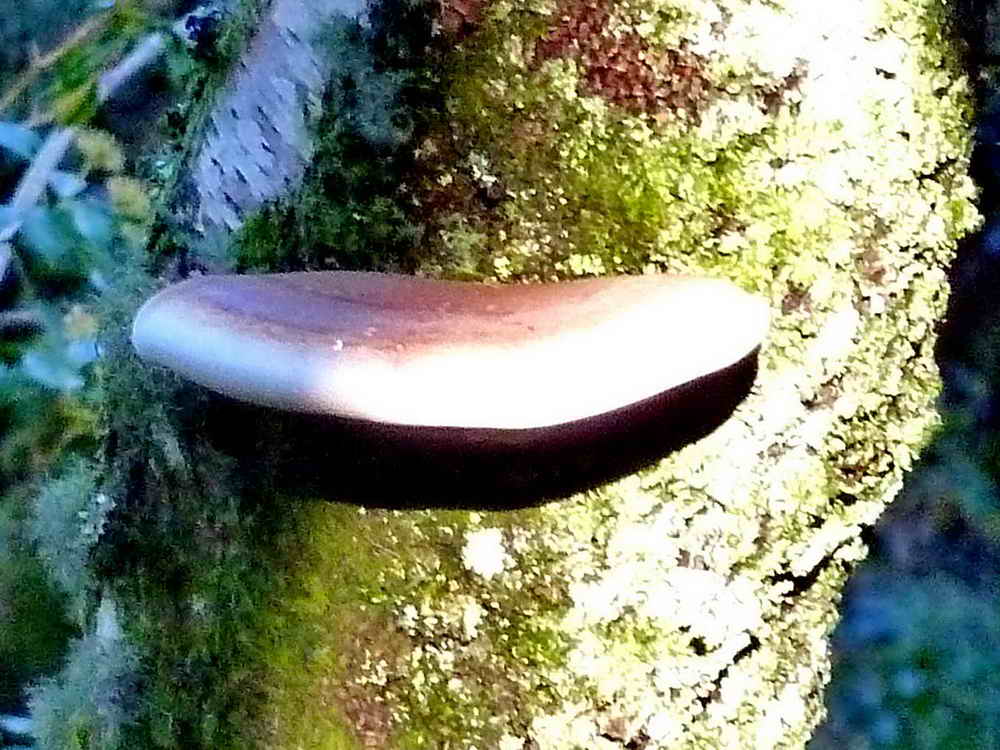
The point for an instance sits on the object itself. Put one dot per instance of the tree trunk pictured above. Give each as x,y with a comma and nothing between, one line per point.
816,157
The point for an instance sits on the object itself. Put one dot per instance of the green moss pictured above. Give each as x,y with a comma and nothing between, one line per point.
350,211
67,520
236,609
34,635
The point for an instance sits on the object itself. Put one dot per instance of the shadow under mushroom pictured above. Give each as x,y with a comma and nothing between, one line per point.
400,466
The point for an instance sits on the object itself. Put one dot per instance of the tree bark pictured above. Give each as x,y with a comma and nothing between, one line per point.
819,161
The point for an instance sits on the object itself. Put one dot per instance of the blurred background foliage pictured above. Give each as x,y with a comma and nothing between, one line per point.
70,208
916,657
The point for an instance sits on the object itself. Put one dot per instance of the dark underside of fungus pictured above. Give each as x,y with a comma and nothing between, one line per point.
405,392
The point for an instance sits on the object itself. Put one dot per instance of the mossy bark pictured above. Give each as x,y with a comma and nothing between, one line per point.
822,165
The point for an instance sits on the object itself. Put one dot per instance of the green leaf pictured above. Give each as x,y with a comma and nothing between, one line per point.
7,214
76,106
54,359
66,184
18,139
81,352
93,221
52,368
52,242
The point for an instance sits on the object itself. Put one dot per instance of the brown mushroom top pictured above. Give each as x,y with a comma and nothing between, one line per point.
406,350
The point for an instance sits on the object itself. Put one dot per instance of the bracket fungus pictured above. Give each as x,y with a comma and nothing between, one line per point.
475,372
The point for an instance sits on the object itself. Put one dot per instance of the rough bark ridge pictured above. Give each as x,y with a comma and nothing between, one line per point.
817,159
258,142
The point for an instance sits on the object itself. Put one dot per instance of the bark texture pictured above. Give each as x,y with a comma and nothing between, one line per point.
258,141
814,156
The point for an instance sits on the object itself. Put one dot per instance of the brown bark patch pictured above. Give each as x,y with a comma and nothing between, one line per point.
461,18
624,69
366,706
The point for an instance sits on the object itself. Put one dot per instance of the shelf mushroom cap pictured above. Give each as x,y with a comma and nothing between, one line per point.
404,350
